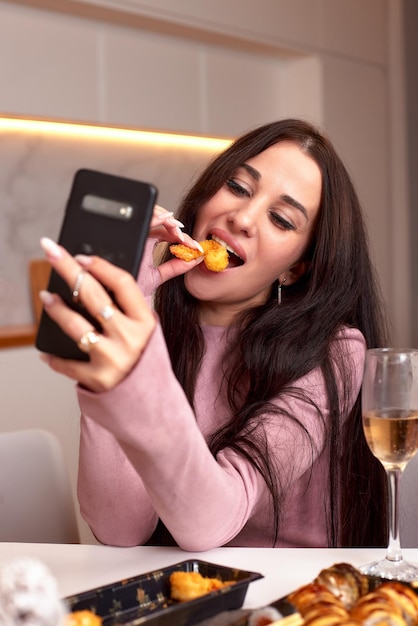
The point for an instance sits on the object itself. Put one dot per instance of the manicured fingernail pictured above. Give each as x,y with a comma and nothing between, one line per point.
161,217
175,222
195,244
51,248
47,297
180,235
83,259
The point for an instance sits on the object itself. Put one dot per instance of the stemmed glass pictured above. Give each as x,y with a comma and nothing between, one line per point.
390,423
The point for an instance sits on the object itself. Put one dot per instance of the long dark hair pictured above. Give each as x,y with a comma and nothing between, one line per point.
276,346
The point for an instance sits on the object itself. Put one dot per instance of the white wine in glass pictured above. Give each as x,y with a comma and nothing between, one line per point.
390,423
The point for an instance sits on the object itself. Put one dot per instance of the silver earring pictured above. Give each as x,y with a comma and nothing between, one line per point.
279,292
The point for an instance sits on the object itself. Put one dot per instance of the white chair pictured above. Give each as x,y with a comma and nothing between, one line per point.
36,502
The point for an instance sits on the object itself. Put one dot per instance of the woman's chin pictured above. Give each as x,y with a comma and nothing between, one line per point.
204,284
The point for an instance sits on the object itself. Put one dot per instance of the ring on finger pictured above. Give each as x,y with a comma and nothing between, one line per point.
106,313
77,285
88,340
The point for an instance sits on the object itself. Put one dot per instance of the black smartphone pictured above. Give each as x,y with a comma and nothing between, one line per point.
105,215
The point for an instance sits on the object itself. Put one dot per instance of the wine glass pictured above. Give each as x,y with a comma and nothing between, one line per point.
390,423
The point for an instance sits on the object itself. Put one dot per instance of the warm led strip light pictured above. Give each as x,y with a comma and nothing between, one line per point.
105,132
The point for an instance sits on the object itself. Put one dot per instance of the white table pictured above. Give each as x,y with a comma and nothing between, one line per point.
81,567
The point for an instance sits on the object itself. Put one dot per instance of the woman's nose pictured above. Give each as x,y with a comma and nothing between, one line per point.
245,219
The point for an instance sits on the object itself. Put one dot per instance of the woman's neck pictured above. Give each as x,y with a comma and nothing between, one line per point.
211,314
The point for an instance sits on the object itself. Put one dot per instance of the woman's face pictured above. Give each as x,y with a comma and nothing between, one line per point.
265,213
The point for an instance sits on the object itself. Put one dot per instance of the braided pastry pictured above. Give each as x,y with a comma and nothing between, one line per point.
341,596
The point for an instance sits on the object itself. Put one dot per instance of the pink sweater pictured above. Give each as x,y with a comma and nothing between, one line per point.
143,456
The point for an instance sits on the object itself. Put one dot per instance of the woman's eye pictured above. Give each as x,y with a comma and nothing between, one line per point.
236,188
281,221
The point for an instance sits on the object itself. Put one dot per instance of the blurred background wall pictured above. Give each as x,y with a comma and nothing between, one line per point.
217,68
411,91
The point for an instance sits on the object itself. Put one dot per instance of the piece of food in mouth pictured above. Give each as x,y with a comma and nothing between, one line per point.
216,256
186,586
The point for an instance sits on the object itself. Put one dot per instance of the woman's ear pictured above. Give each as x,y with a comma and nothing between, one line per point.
296,271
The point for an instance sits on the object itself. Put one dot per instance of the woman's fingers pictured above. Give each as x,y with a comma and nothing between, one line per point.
82,286
112,354
165,227
110,360
125,332
74,324
161,215
119,282
175,267
98,278
164,222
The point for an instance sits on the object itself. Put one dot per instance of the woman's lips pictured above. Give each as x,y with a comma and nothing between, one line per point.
231,246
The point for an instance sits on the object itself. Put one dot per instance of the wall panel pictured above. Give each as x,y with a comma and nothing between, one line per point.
35,180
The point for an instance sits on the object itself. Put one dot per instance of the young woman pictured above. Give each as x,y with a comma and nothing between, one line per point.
233,416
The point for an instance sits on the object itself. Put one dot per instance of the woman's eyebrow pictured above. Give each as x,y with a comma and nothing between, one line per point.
252,171
294,203
285,198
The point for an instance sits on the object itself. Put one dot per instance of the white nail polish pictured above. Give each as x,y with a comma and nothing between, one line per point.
51,248
161,217
83,259
46,297
197,245
175,222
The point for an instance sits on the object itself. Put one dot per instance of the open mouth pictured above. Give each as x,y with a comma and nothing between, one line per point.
234,259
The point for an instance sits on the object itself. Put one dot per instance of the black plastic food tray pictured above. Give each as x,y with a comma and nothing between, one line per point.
145,599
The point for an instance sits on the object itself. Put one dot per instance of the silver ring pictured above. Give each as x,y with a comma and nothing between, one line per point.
77,285
106,313
88,340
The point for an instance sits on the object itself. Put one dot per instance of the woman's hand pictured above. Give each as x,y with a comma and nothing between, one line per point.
126,331
165,227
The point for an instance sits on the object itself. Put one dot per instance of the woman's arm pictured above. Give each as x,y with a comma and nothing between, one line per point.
112,497
204,502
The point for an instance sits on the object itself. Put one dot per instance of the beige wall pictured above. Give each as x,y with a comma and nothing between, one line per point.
221,68
411,22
